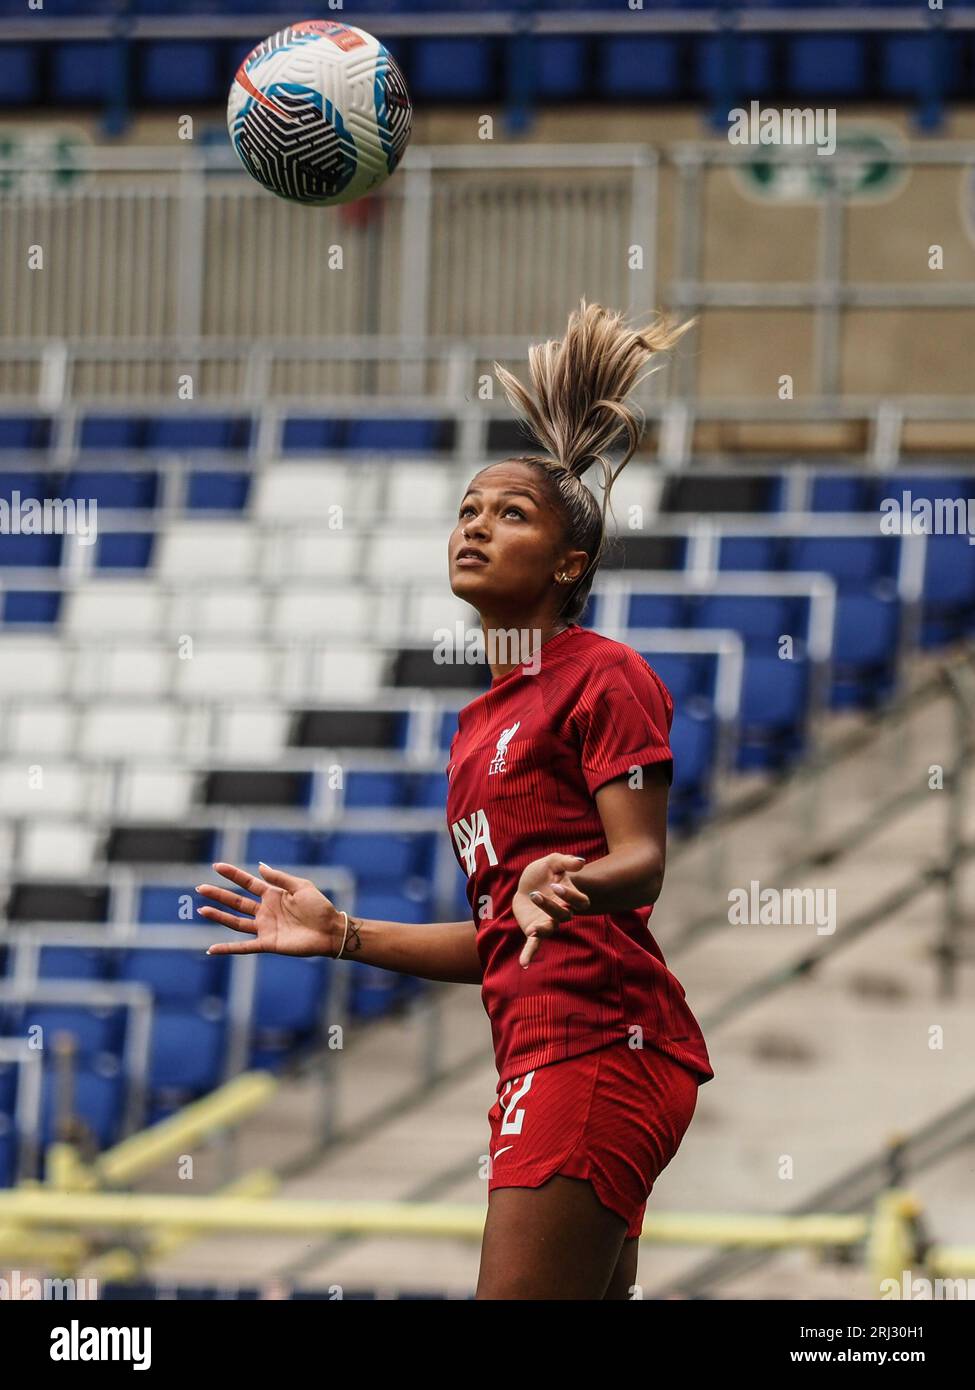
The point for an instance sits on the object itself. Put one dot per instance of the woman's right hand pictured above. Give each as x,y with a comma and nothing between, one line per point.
288,915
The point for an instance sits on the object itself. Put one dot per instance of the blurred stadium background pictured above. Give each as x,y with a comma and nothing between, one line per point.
276,410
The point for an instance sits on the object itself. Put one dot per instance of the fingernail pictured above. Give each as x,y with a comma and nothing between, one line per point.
209,952
535,897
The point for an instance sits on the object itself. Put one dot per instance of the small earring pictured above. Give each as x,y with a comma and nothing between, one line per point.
563,578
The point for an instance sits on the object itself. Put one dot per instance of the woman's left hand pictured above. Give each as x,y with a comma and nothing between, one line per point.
545,898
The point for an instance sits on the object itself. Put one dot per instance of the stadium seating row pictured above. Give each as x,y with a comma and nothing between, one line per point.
153,1026
417,488
609,68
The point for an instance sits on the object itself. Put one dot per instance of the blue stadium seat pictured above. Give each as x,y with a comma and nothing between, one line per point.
98,1096
290,996
826,65
189,432
187,1050
750,68
841,492
378,788
95,1030
639,66
25,431
448,727
125,550
281,848
175,976
693,738
446,68
86,74
168,905
656,610
376,856
42,552
8,1087
466,6
20,68
182,71
853,561
8,1152
128,491
774,707
112,432
82,8
307,434
392,906
864,649
27,484
73,963
397,435
374,992
685,674
927,487
430,790
749,553
561,65
760,619
27,606
949,590
212,491
918,65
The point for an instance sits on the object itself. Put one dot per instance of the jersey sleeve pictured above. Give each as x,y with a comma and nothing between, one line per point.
622,718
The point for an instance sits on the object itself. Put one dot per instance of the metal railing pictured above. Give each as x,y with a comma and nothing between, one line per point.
213,292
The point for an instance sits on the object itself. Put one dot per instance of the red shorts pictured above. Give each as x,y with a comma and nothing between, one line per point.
615,1116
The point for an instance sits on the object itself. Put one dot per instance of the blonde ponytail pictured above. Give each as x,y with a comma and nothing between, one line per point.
578,409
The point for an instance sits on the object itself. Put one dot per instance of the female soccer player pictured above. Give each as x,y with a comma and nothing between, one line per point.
558,782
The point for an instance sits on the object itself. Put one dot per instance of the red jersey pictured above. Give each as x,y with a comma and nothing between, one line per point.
525,763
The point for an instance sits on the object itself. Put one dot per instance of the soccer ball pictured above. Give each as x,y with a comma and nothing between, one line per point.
319,113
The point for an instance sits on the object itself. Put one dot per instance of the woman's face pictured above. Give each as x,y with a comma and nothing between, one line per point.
509,543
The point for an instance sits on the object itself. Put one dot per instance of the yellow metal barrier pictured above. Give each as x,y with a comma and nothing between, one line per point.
219,1110
122,1266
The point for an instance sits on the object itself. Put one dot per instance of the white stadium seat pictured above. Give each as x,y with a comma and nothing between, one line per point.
159,793
425,492
124,729
218,608
40,730
44,789
255,733
124,669
219,671
35,666
314,551
295,491
400,555
323,611
346,673
215,550
64,849
114,605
